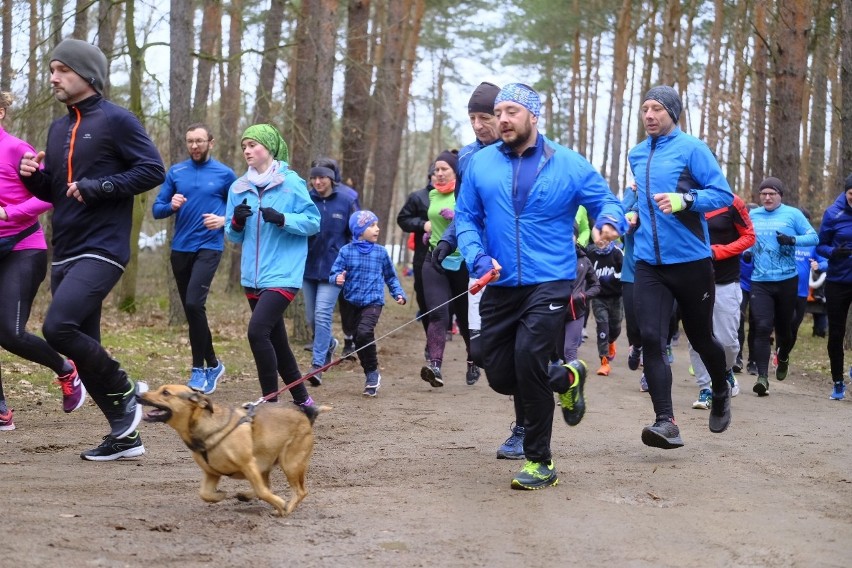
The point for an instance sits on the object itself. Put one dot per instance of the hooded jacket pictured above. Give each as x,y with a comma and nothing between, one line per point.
675,163
836,230
273,256
333,234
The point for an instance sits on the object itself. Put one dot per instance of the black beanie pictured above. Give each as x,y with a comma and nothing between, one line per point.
452,159
772,183
85,59
482,99
667,97
848,185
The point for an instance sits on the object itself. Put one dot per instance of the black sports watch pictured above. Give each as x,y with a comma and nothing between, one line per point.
688,199
107,187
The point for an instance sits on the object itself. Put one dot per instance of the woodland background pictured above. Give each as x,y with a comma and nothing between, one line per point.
765,83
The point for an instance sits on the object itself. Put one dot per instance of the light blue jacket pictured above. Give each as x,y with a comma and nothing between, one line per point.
534,246
774,262
273,256
675,163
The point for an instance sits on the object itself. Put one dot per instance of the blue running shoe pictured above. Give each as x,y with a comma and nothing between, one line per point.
213,376
513,447
839,391
197,379
669,353
372,384
329,356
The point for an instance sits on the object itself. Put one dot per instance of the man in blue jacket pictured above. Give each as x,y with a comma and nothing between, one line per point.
195,192
678,180
98,158
519,197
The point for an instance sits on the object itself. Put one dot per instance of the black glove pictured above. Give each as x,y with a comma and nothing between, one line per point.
442,250
270,215
748,257
784,239
841,251
90,190
241,213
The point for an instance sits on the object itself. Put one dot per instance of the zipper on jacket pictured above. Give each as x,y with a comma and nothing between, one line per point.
650,201
72,141
259,224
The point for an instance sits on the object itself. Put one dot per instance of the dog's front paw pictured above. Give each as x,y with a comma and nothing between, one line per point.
213,496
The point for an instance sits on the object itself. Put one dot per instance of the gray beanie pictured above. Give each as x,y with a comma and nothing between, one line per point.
667,97
85,59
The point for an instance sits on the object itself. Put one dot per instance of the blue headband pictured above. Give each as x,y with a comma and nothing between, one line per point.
522,95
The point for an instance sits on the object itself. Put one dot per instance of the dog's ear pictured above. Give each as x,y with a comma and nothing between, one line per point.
201,401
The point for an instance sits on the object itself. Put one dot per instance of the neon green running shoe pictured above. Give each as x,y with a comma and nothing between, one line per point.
535,475
572,402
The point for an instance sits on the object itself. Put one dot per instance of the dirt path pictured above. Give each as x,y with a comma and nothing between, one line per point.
411,479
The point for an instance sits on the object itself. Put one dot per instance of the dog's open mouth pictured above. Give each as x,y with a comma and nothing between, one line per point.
157,413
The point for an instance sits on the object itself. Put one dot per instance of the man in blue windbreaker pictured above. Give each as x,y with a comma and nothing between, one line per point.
195,192
678,180
517,204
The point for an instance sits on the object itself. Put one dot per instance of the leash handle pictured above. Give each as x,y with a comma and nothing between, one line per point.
482,281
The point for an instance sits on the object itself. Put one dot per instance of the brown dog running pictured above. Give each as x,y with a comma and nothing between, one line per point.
228,441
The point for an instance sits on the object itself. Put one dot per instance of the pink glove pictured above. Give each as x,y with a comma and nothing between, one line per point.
426,236
448,213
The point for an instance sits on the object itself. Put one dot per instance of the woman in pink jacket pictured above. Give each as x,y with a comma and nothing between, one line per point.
23,266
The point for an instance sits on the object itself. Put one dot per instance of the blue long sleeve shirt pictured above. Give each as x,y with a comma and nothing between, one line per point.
774,262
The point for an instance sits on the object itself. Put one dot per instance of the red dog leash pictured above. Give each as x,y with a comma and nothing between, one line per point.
474,289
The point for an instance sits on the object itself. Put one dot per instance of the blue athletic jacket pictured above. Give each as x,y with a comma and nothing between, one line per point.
534,246
96,141
836,230
774,262
675,163
205,187
273,256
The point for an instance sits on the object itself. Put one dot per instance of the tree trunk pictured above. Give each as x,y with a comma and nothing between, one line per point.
758,99
316,34
126,297
785,112
231,95
181,32
6,51
846,90
266,80
109,14
81,20
707,131
354,149
619,83
741,68
814,196
668,49
209,45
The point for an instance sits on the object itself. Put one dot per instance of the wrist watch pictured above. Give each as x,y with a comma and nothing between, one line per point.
688,200
107,187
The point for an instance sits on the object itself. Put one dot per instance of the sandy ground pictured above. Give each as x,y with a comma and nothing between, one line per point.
410,479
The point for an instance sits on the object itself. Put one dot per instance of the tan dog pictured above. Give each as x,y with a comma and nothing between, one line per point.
227,441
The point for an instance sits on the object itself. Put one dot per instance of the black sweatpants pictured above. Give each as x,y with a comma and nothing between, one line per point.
692,285
21,274
838,298
267,336
772,307
366,320
194,272
519,329
72,324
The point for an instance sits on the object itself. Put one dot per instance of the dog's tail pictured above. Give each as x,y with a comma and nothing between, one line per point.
313,411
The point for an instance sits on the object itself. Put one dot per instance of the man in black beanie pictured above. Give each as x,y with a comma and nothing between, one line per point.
98,158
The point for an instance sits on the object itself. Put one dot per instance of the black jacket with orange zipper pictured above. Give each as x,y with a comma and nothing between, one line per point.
96,142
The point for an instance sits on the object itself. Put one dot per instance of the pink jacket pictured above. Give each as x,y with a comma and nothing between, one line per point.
22,209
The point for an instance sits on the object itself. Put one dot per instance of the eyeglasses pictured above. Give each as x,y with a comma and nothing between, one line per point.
197,142
768,193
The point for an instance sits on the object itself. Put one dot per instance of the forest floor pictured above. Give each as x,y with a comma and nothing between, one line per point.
410,478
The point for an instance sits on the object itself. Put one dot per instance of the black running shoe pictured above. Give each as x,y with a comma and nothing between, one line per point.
738,365
634,357
782,368
572,402
751,367
122,412
761,387
472,374
432,374
720,411
663,434
348,349
113,449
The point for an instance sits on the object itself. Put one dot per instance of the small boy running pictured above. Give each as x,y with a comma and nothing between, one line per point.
606,306
361,268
